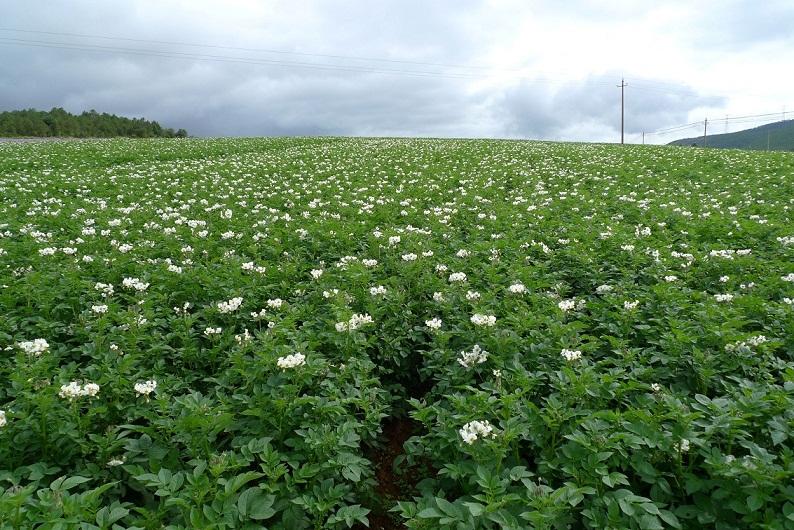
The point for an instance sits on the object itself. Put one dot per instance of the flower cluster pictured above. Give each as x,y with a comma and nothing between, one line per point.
134,284
291,361
434,323
34,347
571,355
477,355
145,388
75,390
475,430
478,319
355,322
230,305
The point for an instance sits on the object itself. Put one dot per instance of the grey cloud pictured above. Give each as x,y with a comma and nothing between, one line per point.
579,110
225,98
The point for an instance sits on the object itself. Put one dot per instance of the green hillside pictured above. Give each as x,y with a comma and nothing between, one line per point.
779,135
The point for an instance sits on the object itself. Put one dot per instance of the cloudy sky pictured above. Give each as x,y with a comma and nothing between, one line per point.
512,68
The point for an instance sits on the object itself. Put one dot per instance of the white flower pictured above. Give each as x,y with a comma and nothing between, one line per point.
393,240
457,277
571,355
275,303
479,319
74,390
369,262
477,355
409,257
99,309
476,429
433,323
724,279
230,305
656,387
472,295
316,273
208,331
438,297
146,388
441,268
682,447
627,248
670,278
105,288
175,268
463,253
34,347
567,305
788,277
113,462
629,305
604,289
355,322
3,420
291,361
134,283
377,291
517,288
723,297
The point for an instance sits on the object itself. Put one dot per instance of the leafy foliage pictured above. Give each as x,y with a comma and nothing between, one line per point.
211,334
89,124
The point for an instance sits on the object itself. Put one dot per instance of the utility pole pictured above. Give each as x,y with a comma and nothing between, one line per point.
643,137
705,125
621,86
767,140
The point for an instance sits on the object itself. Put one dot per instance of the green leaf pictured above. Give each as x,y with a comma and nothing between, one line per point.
475,508
71,482
430,513
253,503
754,502
669,518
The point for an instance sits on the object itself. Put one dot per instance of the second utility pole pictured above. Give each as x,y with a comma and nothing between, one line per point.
621,86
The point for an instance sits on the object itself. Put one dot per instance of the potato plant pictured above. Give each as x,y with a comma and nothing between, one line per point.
213,334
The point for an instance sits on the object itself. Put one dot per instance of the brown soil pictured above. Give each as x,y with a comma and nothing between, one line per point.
393,485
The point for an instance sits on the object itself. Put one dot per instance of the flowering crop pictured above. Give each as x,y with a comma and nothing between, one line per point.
216,333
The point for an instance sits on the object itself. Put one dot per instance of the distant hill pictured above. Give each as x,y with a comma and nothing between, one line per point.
779,134
89,124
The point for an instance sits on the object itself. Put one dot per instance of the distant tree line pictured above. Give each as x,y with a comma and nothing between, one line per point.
89,124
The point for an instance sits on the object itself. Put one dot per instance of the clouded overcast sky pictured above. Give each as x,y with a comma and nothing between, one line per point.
531,69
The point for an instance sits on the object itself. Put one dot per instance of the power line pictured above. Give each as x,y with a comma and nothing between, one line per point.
474,70
273,62
750,118
260,50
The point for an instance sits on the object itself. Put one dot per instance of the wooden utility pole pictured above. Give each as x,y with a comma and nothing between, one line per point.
643,137
621,86
705,125
767,140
